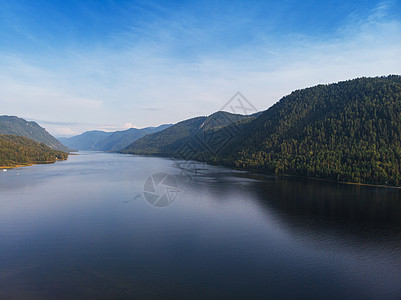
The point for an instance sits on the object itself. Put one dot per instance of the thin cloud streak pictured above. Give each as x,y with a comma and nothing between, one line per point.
87,88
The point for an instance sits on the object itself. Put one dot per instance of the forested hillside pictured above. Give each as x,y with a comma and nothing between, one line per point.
349,131
17,150
30,130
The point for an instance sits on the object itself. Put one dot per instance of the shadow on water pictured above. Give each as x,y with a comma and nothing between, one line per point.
336,203
333,203
315,207
354,215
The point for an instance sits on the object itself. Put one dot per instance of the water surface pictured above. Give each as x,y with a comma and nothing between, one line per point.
82,228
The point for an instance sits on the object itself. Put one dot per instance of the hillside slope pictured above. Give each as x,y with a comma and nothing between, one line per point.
349,131
30,130
195,131
17,150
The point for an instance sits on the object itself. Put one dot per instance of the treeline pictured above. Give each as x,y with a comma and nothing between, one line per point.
17,150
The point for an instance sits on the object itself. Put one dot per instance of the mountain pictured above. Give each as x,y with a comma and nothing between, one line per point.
120,139
197,130
161,142
349,131
18,150
30,130
85,141
109,141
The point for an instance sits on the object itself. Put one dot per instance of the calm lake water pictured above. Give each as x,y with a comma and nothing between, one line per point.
84,229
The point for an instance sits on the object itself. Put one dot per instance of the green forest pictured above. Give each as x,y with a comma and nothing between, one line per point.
17,150
349,131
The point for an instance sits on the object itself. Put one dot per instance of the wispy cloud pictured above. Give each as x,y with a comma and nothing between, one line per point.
164,71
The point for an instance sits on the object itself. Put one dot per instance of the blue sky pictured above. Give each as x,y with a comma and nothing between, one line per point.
82,65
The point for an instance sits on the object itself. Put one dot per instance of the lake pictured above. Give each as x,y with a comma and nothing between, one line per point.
103,225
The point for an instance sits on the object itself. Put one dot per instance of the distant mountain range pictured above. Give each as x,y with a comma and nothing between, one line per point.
349,131
18,150
30,130
168,142
109,141
86,140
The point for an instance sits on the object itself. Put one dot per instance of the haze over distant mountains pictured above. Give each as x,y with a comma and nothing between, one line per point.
31,130
108,141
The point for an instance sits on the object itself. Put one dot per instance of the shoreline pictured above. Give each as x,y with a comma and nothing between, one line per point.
329,180
15,166
30,164
257,171
314,178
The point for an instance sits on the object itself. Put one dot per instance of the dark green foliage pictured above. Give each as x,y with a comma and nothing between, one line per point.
349,131
30,130
18,150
